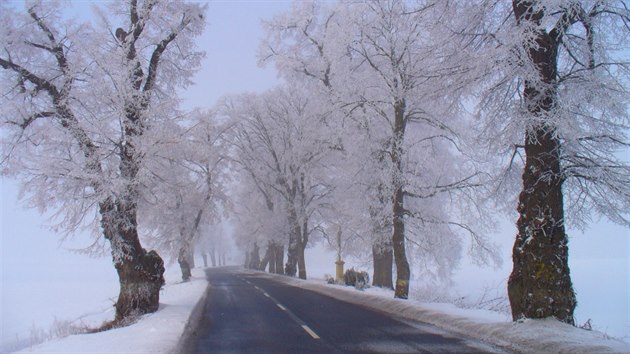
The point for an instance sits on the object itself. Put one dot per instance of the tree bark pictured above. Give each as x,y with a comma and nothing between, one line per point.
540,283
383,260
403,273
140,273
301,249
294,244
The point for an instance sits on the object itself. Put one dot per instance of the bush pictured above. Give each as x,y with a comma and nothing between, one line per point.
358,279
329,279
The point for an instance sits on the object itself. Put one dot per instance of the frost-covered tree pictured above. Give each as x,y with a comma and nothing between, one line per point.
280,146
80,107
557,96
191,177
387,67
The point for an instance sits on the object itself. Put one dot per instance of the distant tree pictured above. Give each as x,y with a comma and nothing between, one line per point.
80,108
281,148
191,185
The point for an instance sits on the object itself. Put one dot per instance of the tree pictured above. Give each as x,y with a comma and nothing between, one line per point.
557,92
404,109
78,109
281,149
191,181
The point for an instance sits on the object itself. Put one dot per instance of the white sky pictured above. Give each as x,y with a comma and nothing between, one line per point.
33,259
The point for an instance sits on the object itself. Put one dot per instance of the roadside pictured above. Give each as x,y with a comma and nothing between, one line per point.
159,332
529,336
180,308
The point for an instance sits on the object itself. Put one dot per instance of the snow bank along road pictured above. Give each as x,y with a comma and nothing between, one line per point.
250,313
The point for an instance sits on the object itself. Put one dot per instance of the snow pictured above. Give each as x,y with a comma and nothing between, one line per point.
159,332
181,305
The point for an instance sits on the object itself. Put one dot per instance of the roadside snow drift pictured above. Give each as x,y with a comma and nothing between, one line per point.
159,332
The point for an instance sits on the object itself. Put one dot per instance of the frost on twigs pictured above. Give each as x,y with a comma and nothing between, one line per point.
85,116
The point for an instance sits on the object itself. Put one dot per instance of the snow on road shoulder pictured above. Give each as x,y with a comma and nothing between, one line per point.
529,336
159,332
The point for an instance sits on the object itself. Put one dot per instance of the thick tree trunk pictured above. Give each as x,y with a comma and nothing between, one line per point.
403,273
540,284
383,260
293,251
140,283
290,268
140,273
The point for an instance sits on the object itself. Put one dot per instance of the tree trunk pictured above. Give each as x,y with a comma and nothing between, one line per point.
383,260
204,256
247,259
293,250
292,257
266,258
184,265
140,273
279,258
223,259
190,256
272,261
301,249
403,273
254,259
540,284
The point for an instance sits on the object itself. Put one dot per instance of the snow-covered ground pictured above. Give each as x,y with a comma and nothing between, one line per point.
159,332
162,331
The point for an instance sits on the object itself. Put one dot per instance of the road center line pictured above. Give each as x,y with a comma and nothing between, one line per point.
301,323
310,331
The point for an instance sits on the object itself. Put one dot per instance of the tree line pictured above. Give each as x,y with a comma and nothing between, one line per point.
400,130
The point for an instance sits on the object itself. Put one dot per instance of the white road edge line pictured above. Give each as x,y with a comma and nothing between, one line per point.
310,331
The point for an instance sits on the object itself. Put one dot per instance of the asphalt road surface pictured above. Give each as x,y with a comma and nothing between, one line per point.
247,313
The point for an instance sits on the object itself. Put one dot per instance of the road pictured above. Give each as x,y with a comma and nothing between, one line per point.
247,313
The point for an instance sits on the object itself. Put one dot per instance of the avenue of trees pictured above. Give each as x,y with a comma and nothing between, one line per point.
400,130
